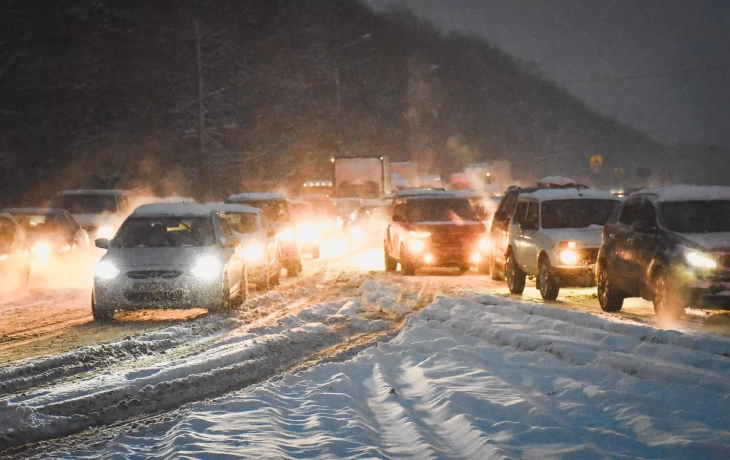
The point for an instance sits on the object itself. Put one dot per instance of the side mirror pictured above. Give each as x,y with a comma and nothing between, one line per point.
102,243
398,218
231,242
642,226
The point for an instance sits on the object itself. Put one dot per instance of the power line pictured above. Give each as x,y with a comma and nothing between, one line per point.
666,73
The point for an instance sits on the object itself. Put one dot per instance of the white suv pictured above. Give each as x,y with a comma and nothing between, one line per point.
554,236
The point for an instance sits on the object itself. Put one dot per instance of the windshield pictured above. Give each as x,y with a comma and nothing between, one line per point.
86,204
696,216
439,210
243,222
274,210
37,223
576,213
165,232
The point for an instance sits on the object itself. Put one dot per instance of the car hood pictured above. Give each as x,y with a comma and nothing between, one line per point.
451,227
709,241
588,236
158,257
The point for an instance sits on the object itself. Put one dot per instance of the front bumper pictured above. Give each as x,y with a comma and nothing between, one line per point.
713,294
576,276
182,292
448,256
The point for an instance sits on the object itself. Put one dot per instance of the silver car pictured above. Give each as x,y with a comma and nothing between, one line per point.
169,256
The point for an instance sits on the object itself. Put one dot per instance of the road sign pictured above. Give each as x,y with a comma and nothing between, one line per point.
596,161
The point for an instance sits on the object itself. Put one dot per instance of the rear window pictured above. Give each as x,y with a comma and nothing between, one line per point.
439,210
86,204
274,210
38,223
576,213
242,222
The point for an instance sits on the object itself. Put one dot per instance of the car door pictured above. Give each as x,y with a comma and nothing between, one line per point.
645,239
500,225
272,244
625,258
232,255
395,229
530,237
516,237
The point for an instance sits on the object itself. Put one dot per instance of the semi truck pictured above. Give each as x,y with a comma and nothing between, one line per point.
361,177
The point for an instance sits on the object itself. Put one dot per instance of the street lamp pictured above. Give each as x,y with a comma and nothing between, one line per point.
359,39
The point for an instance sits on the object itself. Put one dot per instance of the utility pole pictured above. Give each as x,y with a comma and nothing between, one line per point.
202,153
338,107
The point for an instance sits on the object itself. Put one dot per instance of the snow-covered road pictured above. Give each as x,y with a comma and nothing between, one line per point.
484,377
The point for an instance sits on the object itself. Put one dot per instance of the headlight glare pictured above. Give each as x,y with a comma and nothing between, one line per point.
699,260
569,257
416,246
41,249
484,245
286,235
357,233
207,268
106,270
254,252
307,233
105,232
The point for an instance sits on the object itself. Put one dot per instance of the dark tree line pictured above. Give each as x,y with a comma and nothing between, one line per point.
104,93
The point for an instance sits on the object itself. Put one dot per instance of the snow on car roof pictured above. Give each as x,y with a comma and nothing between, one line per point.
176,209
569,194
416,192
256,196
556,181
93,192
232,207
33,210
687,192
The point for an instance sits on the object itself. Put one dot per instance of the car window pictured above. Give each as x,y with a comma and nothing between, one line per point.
531,216
439,210
160,232
243,222
73,225
225,226
86,204
506,206
648,212
520,212
399,208
711,216
631,212
576,213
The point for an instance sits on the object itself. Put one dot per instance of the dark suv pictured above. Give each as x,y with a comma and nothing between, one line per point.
433,229
670,245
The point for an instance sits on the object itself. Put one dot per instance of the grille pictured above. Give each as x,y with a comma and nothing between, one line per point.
149,274
154,296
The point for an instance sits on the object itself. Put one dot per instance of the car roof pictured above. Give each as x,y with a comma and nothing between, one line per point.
233,207
115,192
176,210
546,194
687,192
471,193
33,210
422,192
256,196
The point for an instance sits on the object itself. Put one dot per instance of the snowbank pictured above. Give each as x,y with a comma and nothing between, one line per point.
480,378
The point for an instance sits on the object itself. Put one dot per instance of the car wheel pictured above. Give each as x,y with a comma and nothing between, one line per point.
515,276
495,270
275,278
243,290
406,264
546,281
464,269
101,315
668,299
484,268
292,270
609,298
390,263
225,302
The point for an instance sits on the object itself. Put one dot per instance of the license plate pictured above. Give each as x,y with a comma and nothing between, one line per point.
149,287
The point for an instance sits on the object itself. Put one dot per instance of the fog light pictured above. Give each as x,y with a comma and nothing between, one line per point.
428,258
484,245
476,258
569,257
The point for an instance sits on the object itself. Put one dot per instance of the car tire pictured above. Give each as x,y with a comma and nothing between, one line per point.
406,264
243,290
515,276
668,299
547,284
275,279
496,271
101,316
610,299
464,269
485,268
391,264
225,304
292,270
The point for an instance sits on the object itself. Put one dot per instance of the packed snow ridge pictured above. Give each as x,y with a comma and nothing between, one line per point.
479,377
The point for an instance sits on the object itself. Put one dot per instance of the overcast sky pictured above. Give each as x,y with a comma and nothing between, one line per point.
662,66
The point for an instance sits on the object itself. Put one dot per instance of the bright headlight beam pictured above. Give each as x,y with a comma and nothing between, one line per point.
569,257
699,260
254,252
105,232
286,235
106,270
207,268
41,249
416,246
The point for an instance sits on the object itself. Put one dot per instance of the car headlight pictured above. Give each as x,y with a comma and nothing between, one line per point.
327,226
416,246
286,235
569,257
105,232
307,233
207,268
699,260
106,270
41,250
357,233
484,245
254,252
419,234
